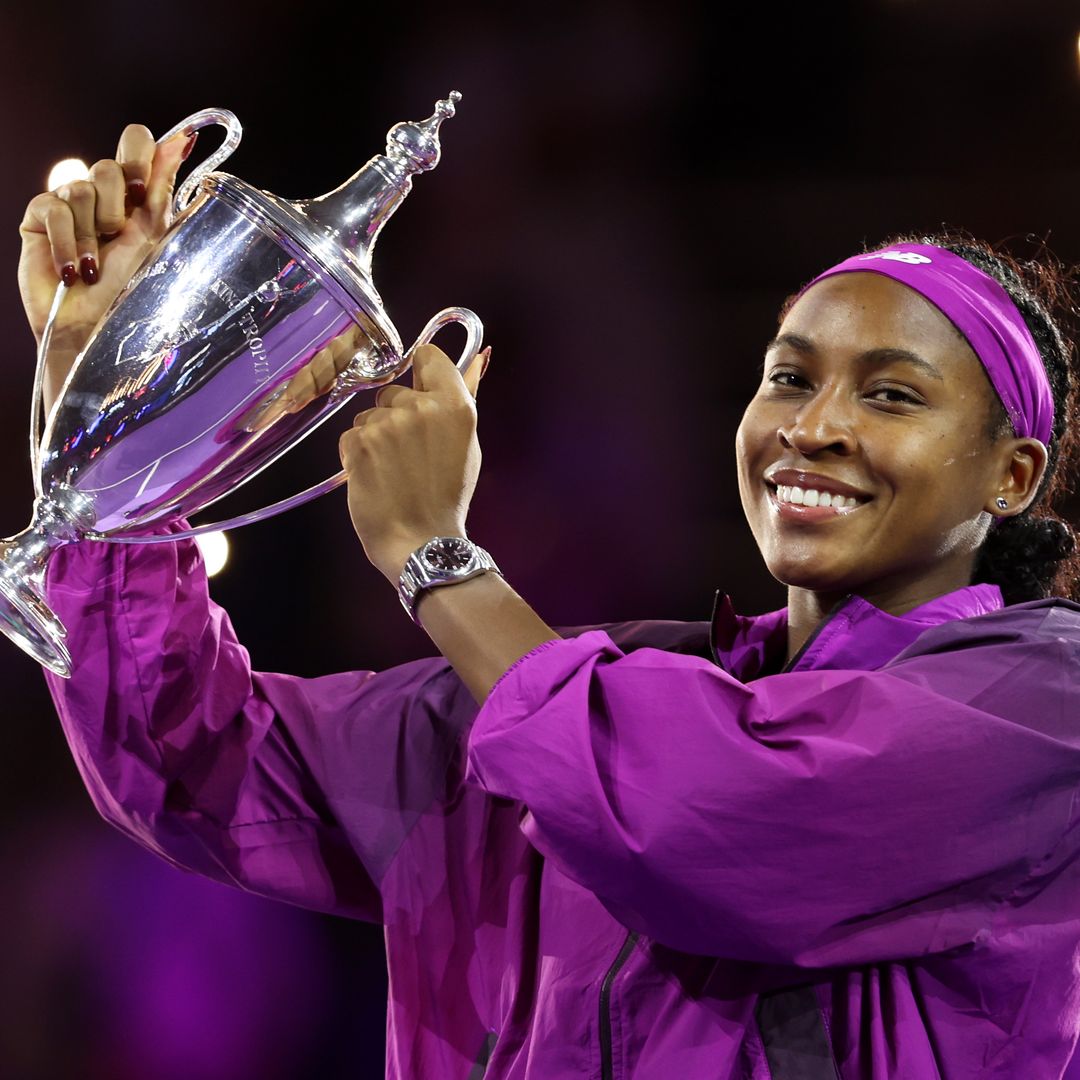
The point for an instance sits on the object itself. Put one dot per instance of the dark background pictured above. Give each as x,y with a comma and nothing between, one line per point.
626,195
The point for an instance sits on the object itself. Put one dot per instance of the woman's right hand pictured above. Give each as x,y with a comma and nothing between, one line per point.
93,235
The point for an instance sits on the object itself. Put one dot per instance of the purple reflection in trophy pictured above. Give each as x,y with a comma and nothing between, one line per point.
188,386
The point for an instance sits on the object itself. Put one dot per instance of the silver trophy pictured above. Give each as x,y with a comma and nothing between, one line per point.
251,321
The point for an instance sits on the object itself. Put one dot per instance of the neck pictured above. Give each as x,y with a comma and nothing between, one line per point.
807,608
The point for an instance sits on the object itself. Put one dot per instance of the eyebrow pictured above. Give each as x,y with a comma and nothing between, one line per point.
872,356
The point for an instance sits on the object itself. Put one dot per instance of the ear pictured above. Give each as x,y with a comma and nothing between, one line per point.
1022,469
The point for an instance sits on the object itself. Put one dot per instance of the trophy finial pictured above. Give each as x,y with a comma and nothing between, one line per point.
414,145
355,212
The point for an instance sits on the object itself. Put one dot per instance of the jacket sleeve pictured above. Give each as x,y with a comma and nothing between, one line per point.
815,818
298,789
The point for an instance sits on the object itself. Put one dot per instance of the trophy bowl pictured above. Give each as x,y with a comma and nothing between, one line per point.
248,325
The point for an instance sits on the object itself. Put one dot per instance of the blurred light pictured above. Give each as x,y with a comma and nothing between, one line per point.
63,172
215,551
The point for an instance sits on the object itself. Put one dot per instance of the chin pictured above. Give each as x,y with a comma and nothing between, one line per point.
815,579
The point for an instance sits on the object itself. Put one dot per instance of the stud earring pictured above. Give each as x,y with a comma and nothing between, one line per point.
1002,503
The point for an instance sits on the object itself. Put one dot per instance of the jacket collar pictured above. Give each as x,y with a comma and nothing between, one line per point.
855,635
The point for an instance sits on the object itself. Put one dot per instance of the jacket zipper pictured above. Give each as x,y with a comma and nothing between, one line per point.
767,1034
606,1068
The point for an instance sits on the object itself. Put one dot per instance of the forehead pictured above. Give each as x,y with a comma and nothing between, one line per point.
855,312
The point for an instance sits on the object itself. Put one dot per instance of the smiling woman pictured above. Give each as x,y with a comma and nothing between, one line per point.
940,485
1031,553
840,839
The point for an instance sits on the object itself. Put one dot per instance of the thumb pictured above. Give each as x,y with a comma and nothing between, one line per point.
476,370
168,157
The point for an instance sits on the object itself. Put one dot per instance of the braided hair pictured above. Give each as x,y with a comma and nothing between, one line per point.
1033,554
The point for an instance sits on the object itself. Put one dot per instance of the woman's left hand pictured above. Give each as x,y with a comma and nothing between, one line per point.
413,460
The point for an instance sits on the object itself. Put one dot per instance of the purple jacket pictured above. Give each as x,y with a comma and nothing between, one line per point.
647,856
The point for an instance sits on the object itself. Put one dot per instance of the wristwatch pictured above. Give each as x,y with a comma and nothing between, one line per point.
443,560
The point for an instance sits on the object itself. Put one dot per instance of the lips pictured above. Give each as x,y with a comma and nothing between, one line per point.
808,481
807,513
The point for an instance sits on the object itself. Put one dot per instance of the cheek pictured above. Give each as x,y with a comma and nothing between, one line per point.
744,453
944,475
751,439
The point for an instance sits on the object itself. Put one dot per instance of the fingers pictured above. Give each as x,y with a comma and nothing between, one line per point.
107,179
475,371
81,198
165,164
135,154
76,215
432,369
315,378
397,395
49,216
368,416
344,347
435,373
67,217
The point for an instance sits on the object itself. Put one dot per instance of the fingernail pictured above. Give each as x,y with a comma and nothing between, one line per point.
106,237
136,194
189,146
485,356
68,274
88,269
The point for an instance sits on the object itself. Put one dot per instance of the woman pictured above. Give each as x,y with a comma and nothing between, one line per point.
837,840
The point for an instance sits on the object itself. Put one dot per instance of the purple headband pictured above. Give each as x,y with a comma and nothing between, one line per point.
984,313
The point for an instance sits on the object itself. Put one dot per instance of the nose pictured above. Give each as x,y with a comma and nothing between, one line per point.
822,423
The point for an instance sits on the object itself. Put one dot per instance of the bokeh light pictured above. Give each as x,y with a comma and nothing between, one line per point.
215,551
63,172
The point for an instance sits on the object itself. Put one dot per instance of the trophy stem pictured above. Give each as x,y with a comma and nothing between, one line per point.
24,615
26,618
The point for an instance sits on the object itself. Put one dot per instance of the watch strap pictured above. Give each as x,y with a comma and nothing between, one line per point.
419,574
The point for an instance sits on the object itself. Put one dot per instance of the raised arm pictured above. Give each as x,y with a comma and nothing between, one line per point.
413,462
299,789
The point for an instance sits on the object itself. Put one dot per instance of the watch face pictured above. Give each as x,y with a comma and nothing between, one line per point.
448,553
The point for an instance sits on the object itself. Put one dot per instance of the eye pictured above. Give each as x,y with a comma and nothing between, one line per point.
895,395
787,379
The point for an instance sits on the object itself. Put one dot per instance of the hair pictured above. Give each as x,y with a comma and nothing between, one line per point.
1031,555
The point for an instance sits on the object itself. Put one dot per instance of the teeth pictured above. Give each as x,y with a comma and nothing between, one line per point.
812,497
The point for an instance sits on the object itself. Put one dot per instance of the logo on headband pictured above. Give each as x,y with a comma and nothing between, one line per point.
912,258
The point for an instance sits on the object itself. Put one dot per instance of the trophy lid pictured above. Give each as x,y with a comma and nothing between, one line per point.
355,212
336,232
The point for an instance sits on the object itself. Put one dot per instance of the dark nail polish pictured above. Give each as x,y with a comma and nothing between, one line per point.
88,269
106,237
189,145
69,275
136,194
485,359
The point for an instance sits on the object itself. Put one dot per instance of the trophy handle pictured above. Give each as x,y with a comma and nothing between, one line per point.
474,330
201,119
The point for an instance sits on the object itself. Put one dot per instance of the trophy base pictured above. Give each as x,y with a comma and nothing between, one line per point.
29,622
